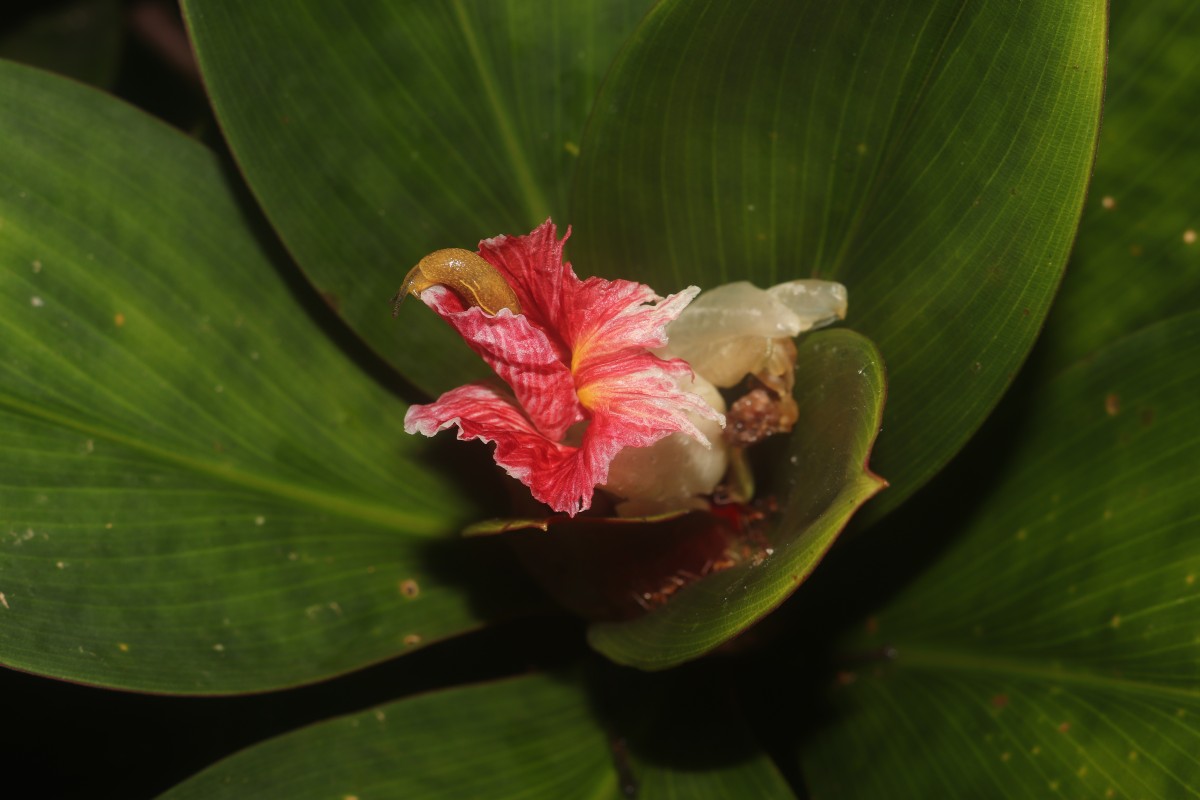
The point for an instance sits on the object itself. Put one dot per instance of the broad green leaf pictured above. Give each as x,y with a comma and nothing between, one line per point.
1137,259
931,156
79,39
199,492
840,392
1053,649
532,737
375,132
682,734
757,778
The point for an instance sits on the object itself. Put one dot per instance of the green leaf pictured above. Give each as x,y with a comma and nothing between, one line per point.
685,735
931,156
1138,255
530,738
199,492
375,132
1053,648
80,39
840,392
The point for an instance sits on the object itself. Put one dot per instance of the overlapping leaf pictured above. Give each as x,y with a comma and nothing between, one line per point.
198,491
931,156
375,132
840,392
1053,649
530,738
1137,259
527,738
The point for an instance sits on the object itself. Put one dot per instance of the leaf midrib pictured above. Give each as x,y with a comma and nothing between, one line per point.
936,659
353,508
535,201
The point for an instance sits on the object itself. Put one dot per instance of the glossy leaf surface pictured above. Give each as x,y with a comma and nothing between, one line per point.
1053,649
199,492
375,132
840,392
931,156
1137,259
529,738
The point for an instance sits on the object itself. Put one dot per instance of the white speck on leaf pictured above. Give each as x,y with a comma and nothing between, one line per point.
36,301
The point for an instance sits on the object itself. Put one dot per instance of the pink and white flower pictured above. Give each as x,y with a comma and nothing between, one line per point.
578,382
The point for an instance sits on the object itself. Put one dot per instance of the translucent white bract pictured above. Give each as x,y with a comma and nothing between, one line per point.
725,334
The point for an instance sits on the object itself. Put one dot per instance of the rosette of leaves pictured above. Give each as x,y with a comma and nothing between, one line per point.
207,491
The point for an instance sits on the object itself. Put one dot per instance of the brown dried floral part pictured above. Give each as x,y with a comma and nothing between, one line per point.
751,546
768,408
758,414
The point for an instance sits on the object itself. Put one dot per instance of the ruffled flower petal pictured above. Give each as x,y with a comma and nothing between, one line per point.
579,350
533,266
521,355
561,476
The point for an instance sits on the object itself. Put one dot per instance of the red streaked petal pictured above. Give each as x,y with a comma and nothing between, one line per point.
487,412
578,350
616,376
521,354
533,266
562,477
609,316
648,404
